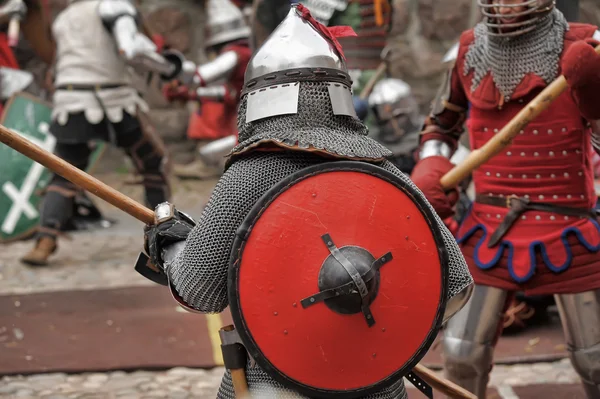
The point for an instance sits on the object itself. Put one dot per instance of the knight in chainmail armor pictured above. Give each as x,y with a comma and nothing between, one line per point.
532,227
312,121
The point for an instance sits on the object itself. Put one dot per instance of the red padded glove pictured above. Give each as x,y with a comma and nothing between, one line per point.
581,68
426,175
175,92
159,42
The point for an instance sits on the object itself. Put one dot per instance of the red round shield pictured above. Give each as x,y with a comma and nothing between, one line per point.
338,280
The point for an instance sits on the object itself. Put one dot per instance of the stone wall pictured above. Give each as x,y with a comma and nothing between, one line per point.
422,32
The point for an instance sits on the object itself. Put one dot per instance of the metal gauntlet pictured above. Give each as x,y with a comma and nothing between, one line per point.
170,227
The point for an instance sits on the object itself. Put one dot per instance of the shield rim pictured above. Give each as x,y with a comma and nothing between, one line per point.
244,232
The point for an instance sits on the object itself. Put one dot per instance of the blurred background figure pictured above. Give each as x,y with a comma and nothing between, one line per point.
217,87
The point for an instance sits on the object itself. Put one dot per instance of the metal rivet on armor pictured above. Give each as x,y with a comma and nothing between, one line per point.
498,216
541,197
566,175
408,216
535,132
294,304
488,215
522,132
374,354
569,196
312,300
551,153
566,218
314,195
490,194
526,196
383,329
580,173
510,176
488,174
523,217
520,100
555,196
536,154
495,130
582,196
329,243
509,153
285,332
537,176
275,313
369,316
538,217
485,129
522,154
553,175
501,195
549,131
524,176
564,152
577,152
497,174
552,217
406,238
564,129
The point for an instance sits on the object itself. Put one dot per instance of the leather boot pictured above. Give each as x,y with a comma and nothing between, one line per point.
39,255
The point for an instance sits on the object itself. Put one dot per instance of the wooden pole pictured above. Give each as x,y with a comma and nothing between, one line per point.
443,385
503,138
76,176
371,83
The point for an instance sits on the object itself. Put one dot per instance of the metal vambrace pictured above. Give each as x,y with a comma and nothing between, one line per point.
121,18
218,69
11,9
432,148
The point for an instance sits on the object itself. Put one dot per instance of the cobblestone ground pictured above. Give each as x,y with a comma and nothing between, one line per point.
183,383
104,259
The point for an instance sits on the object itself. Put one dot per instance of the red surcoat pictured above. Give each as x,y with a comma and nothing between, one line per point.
216,119
549,161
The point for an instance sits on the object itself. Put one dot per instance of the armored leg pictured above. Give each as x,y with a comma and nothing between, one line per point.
58,205
470,337
149,158
580,317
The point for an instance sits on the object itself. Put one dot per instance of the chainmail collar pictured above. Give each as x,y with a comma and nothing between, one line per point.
510,59
313,129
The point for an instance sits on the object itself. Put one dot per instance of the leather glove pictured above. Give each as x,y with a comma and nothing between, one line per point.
171,226
426,175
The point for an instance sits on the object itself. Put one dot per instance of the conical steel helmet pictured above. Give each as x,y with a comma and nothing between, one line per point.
300,49
225,23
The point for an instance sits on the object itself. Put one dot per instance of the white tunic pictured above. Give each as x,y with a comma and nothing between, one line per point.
87,55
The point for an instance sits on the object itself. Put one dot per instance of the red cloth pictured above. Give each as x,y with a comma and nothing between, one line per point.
219,119
426,175
330,33
7,58
549,161
581,67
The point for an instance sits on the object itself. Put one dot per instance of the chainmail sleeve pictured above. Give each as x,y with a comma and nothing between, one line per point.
459,276
199,272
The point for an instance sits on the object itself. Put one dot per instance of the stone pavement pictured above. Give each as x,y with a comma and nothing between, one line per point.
104,259
184,383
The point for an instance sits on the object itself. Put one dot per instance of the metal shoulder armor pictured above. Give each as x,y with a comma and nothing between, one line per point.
121,18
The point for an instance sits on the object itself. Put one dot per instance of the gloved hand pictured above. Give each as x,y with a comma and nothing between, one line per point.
171,226
426,175
175,91
580,64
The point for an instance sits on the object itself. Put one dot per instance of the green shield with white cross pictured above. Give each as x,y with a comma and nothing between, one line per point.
22,180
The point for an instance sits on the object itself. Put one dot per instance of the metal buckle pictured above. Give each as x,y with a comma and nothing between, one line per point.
509,198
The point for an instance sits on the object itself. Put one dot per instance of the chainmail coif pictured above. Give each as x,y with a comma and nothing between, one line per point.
509,59
314,126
